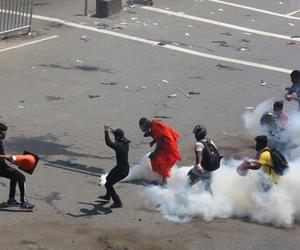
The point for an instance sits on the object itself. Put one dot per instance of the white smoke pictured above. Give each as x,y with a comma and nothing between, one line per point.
233,196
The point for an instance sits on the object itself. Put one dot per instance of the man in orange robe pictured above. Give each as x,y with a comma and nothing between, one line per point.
166,152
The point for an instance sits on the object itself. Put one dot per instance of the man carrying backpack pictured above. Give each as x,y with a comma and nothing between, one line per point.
207,159
271,161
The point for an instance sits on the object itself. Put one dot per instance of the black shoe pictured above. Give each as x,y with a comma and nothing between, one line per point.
12,203
104,197
26,205
116,205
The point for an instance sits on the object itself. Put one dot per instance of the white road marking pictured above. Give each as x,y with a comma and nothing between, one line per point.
227,25
29,43
293,13
168,46
254,9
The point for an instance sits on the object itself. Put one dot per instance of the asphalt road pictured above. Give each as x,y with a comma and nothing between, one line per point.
55,103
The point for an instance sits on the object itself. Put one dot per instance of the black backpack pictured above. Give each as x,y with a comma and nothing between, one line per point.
280,163
210,156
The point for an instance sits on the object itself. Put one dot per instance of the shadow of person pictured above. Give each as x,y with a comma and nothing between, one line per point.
5,208
98,209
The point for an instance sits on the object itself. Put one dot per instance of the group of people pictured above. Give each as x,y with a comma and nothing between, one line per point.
166,153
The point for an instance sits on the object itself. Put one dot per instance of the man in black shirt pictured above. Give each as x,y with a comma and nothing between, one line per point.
121,170
13,174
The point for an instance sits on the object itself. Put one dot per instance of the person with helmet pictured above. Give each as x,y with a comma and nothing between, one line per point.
199,172
166,152
121,170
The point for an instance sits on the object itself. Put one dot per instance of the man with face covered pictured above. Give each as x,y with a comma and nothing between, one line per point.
166,152
264,161
121,170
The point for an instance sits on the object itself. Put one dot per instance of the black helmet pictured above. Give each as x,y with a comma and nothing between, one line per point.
200,132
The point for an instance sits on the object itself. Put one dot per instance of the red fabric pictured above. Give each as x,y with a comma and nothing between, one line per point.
168,153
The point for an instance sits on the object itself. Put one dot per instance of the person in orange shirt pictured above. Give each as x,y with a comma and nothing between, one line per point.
166,152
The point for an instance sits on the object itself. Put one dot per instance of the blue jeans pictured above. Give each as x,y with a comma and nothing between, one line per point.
193,179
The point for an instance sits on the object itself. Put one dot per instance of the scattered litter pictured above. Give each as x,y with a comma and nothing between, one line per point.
53,98
295,36
252,20
155,24
263,83
94,96
247,34
162,43
165,81
131,6
220,9
242,49
126,87
118,27
194,93
187,34
22,101
291,24
33,67
226,33
162,117
172,96
134,18
84,38
245,41
21,107
124,23
249,108
187,95
291,43
221,43
31,34
109,83
143,87
103,26
79,61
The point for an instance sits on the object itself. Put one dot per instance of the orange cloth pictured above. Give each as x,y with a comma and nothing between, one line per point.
168,153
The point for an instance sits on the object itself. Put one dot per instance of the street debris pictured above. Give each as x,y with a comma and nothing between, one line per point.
165,81
172,96
221,43
21,107
226,33
102,26
93,96
109,83
187,34
180,90
291,43
79,61
84,38
194,93
291,24
249,108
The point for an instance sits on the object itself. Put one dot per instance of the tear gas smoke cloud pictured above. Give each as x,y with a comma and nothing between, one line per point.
234,196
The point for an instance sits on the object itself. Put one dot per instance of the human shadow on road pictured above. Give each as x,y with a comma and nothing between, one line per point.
98,209
141,2
76,167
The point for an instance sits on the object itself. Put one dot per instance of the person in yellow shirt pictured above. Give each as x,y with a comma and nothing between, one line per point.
264,161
